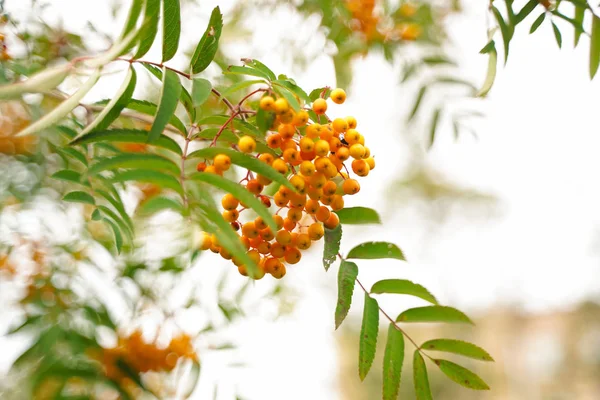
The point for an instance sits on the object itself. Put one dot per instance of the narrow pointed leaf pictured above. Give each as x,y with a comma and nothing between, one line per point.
41,82
457,347
505,30
288,95
241,85
421,380
147,176
433,129
185,97
209,43
331,247
132,18
418,102
169,97
536,24
63,109
393,359
127,136
260,66
433,314
200,91
149,108
490,75
579,17
171,28
403,286
117,235
358,215
240,193
135,161
246,71
461,375
149,29
595,46
157,204
70,176
526,10
367,346
246,161
237,124
79,197
557,35
346,279
376,250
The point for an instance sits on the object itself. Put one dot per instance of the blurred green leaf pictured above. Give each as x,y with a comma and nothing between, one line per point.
595,46
421,380
128,136
505,30
169,97
79,197
579,17
245,70
358,215
132,18
368,336
150,27
148,176
393,359
201,89
70,176
134,161
157,204
261,67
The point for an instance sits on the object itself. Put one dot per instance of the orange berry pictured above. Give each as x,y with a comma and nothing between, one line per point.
330,171
330,188
278,221
288,144
314,193
332,221
281,106
231,215
287,117
361,139
249,230
235,225
360,167
225,254
277,250
270,263
242,270
322,214
286,131
280,199
246,144
278,270
285,191
303,241
298,182
222,162
292,255
371,162
367,152
260,223
267,234
229,202
263,180
335,144
357,151
316,231
256,241
313,130
321,148
318,180
319,106
351,122
301,118
311,206
254,186
288,224
254,256
352,136
205,242
266,158
307,145
291,156
294,214
280,166
307,156
338,96
337,202
326,133
274,141
267,103
201,167
307,168
283,237
339,125
351,186
211,169
297,200
343,153
264,248
264,199
326,200
245,241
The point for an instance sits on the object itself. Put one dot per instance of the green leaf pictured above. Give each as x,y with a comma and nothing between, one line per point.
135,160
393,359
491,73
68,151
421,380
158,178
434,314
579,17
149,28
376,250
238,124
358,215
438,60
245,161
457,347
261,67
157,204
123,226
96,215
240,193
316,93
246,71
526,10
79,197
595,46
169,97
171,28
557,35
43,81
70,176
149,108
185,98
287,94
134,14
418,102
505,30
402,286
576,24
30,322
295,89
491,45
241,85
116,201
461,375
264,120
200,91
209,43
536,24
117,235
127,136
434,123
368,336
346,279
331,247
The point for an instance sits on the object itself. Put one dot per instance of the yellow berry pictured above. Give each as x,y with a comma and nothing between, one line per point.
337,202
313,130
338,96
332,221
303,241
360,167
283,237
247,144
229,202
231,215
222,162
357,151
300,119
351,122
267,103
316,231
307,168
319,106
321,148
339,125
298,182
281,106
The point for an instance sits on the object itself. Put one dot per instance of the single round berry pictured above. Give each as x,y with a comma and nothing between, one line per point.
247,144
319,106
229,202
307,168
371,162
231,215
254,186
322,214
360,167
313,130
357,151
278,221
291,156
280,166
283,237
337,202
222,162
260,223
277,250
343,153
201,167
351,122
267,103
281,106
311,206
286,131
211,169
303,241
332,221
266,158
338,96
288,224
339,125
300,119
249,230
330,188
274,141
316,231
307,145
321,148
292,255
294,214
351,186
352,136
205,242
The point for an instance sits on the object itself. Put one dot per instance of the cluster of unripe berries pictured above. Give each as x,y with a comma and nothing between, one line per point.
312,155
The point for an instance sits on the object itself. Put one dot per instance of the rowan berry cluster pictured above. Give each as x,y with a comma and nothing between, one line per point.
312,156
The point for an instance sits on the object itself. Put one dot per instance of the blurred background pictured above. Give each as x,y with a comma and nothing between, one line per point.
499,217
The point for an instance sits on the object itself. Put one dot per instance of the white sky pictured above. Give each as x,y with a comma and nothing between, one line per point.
537,152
